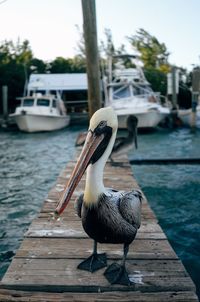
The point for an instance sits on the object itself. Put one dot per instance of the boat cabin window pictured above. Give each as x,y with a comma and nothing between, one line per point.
145,89
54,104
121,92
28,102
137,91
43,102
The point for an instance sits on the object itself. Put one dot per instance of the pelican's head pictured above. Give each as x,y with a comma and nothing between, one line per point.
106,115
98,145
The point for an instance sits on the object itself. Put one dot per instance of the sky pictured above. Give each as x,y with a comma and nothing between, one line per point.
51,25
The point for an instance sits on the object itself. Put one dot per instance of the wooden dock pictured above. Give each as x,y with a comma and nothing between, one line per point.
45,266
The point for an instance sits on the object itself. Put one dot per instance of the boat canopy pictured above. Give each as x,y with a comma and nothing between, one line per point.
56,82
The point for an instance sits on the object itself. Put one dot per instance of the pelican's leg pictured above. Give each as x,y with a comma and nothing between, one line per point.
94,262
116,273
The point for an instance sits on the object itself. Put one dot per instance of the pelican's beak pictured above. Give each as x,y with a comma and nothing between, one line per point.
92,141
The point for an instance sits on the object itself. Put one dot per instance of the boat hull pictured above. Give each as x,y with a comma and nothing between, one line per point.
129,93
39,123
149,119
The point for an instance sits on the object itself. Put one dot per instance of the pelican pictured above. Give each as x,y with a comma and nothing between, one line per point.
108,215
124,144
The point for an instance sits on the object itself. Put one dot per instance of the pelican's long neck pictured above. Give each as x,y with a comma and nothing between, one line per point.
94,186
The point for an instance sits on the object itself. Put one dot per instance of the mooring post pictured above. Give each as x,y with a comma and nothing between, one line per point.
195,95
174,88
5,104
92,57
172,91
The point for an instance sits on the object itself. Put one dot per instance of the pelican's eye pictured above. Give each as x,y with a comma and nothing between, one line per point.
100,128
102,124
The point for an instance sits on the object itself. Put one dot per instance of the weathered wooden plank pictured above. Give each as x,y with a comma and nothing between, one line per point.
48,257
24,296
157,267
73,248
70,214
50,205
112,176
68,229
56,191
123,185
109,180
148,276
48,208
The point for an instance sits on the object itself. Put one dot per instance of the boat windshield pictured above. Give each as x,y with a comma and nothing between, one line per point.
43,102
143,89
28,102
121,92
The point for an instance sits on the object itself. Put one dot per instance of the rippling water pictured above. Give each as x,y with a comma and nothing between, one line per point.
173,191
30,164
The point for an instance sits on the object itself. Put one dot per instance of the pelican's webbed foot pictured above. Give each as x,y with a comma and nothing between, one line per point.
117,274
93,263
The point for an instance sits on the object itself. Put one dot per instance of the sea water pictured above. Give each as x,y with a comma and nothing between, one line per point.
173,191
29,167
30,164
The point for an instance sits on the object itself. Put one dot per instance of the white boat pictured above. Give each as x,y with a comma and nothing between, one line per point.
186,117
39,112
128,92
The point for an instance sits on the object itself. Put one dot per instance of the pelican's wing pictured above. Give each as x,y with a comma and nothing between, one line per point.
78,205
118,143
130,207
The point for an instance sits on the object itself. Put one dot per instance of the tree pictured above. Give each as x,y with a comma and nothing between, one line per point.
60,65
14,66
81,43
157,79
78,64
37,66
153,53
71,65
107,48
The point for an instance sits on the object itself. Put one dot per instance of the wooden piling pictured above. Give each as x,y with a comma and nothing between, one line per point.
5,103
174,92
195,95
92,57
45,266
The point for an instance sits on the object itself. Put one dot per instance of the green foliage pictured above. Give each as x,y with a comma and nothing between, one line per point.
78,64
107,48
36,65
153,53
17,63
62,65
157,79
155,58
14,61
